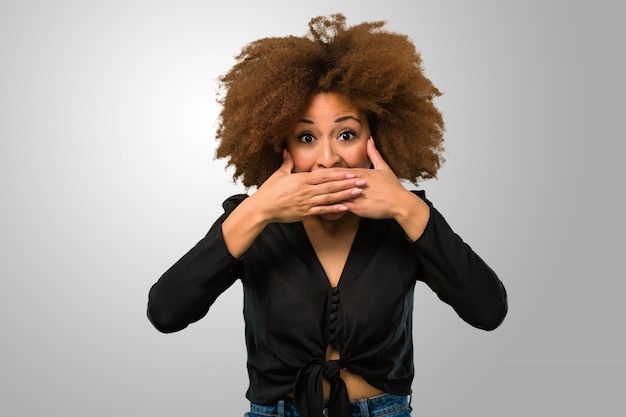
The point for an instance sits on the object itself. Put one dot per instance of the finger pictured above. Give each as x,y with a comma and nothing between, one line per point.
375,157
333,187
329,175
332,198
325,209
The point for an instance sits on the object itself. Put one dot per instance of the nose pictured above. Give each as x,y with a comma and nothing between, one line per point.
327,156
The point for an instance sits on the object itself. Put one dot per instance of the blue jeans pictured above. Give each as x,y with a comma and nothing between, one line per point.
384,405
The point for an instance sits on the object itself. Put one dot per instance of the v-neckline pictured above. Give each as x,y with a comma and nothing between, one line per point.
358,255
332,251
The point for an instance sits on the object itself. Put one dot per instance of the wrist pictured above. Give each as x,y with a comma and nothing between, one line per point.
412,213
256,213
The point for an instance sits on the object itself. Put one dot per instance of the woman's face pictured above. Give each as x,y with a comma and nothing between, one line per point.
330,133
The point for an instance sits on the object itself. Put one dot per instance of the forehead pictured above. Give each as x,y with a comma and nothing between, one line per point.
331,105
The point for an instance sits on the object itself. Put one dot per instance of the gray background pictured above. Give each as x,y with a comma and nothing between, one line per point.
107,117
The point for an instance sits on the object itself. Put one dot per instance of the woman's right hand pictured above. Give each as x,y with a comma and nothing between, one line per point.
289,197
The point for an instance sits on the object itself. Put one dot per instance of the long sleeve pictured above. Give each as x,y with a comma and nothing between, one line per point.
186,291
459,276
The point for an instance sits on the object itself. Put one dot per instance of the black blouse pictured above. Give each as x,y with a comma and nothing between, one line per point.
292,313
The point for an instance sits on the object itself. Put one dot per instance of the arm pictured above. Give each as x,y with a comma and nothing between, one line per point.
459,276
186,291
451,268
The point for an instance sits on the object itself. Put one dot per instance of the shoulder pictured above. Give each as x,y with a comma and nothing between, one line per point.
233,201
421,194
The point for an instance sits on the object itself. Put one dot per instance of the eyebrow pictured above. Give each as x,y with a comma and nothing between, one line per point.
337,120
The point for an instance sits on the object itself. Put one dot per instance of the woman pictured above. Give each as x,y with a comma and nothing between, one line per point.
330,245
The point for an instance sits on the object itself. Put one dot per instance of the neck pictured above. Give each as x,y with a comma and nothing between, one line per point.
348,222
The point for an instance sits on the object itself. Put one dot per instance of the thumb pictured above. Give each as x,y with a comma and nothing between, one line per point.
288,164
375,157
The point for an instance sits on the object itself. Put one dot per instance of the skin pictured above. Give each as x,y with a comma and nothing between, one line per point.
331,176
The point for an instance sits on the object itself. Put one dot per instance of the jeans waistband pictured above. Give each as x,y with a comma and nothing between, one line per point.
379,405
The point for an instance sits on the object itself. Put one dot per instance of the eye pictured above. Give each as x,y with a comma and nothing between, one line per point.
306,138
347,135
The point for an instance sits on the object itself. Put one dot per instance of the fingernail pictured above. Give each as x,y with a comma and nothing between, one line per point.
350,176
356,191
342,208
359,183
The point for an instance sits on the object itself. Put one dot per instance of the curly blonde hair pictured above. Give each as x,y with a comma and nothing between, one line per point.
380,71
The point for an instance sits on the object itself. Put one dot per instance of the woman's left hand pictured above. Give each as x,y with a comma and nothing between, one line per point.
385,197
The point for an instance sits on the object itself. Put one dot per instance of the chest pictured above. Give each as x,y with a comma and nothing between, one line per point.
291,279
332,253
